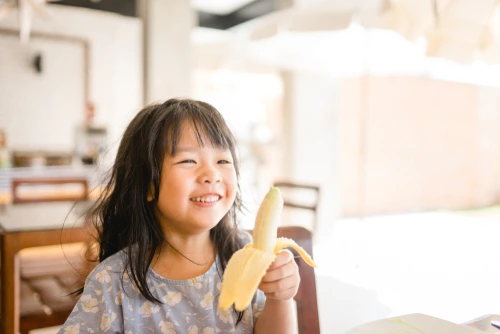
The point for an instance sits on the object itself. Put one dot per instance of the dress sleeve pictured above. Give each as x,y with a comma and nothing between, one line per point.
245,237
99,308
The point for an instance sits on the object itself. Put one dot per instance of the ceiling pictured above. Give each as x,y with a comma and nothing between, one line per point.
215,14
124,7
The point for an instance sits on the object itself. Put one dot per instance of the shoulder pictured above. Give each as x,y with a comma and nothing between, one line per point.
99,308
245,237
112,266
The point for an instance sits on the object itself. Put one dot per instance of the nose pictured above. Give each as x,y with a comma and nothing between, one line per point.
210,175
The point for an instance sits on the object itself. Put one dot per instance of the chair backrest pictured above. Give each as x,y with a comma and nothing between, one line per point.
52,194
304,197
44,289
306,299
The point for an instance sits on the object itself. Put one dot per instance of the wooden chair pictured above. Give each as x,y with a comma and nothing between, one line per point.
304,197
306,300
45,279
47,196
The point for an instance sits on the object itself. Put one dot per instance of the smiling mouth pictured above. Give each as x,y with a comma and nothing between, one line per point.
206,199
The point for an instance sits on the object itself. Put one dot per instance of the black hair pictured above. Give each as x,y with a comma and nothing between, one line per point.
122,215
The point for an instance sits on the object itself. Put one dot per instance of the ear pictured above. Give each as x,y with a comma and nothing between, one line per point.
151,192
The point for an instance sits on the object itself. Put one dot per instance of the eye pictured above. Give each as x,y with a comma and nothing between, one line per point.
188,161
223,162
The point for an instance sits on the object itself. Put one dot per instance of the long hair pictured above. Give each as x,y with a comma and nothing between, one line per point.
122,215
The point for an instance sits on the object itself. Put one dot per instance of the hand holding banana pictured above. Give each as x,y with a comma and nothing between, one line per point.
249,265
281,281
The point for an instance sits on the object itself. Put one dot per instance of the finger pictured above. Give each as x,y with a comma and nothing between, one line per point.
282,272
283,295
280,285
283,257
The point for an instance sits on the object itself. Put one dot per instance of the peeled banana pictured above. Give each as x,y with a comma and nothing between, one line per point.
247,266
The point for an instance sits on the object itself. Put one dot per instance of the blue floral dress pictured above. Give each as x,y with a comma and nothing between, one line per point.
111,303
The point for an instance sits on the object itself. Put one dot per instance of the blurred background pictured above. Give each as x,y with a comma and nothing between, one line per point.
388,107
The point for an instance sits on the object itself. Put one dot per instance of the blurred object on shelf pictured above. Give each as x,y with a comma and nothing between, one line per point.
41,158
5,160
91,144
91,139
89,113
58,159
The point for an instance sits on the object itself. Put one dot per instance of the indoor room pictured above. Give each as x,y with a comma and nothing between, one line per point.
376,119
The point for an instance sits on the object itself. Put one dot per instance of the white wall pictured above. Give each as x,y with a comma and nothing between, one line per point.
40,110
116,75
314,142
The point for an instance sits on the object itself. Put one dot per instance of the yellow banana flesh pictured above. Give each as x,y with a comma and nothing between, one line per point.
286,242
267,220
251,276
247,266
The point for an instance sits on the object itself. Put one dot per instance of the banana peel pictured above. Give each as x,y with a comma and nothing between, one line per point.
248,265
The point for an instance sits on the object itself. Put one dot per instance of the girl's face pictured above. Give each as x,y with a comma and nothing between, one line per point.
197,185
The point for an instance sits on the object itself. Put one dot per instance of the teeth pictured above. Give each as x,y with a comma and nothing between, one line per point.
207,199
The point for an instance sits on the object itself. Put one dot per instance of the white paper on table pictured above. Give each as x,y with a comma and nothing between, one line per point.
413,324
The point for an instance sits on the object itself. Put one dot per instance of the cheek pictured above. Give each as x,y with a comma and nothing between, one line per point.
232,184
171,185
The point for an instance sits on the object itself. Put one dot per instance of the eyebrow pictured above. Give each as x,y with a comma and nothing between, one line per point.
186,149
191,149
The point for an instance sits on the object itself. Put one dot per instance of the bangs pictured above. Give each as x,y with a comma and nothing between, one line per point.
207,123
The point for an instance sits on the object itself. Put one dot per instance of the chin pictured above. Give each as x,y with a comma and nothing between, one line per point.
205,226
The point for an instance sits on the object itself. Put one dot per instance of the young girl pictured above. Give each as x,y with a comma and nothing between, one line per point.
167,228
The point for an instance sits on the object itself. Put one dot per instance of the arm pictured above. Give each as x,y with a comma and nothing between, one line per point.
280,285
98,308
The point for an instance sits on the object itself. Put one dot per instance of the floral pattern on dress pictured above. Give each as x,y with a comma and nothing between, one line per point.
207,301
110,303
196,282
225,315
72,329
89,304
148,309
103,275
167,327
172,298
106,320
